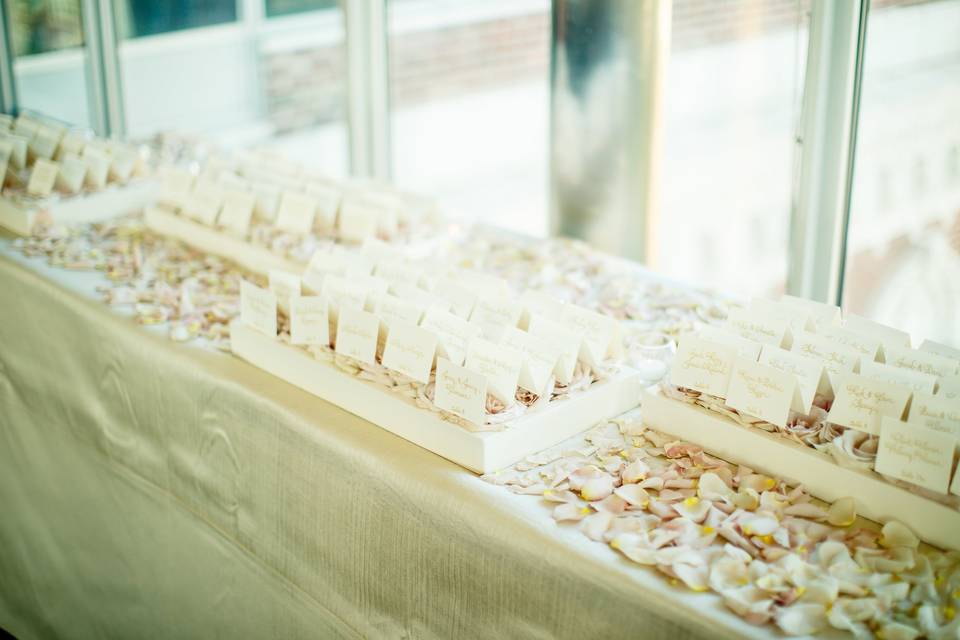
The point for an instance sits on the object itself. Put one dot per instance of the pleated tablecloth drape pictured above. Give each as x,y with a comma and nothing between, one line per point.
154,489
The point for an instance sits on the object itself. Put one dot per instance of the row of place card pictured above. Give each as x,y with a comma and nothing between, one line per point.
775,360
229,195
477,337
42,157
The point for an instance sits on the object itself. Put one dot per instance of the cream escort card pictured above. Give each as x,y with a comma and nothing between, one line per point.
327,200
915,454
309,320
836,358
398,272
202,206
867,346
565,339
538,302
410,350
913,380
823,314
540,358
886,335
809,373
921,361
357,221
98,165
492,312
42,178
258,308
351,292
744,346
936,412
500,364
357,334
941,350
601,334
860,402
461,298
797,319
177,186
236,211
336,262
267,201
296,213
758,326
285,284
73,170
703,365
762,391
949,386
392,309
454,333
460,391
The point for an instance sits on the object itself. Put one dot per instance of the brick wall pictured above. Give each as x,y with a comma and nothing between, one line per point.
305,87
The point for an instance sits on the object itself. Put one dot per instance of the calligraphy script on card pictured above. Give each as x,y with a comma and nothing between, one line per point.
410,350
760,327
861,402
258,308
309,320
357,334
807,371
936,412
915,454
922,361
500,364
703,366
761,391
836,358
461,391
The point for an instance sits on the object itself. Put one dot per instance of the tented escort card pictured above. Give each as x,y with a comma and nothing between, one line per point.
268,219
400,358
847,409
55,176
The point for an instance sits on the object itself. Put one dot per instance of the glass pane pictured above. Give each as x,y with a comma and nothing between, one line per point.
286,7
469,92
242,86
51,62
148,17
903,253
39,27
732,97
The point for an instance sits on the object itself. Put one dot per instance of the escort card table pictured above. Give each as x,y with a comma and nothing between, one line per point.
155,489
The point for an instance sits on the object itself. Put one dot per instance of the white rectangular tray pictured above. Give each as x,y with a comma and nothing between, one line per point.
91,207
773,455
208,240
479,452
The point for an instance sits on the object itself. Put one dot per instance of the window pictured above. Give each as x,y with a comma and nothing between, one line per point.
287,7
469,91
50,59
732,96
136,18
903,246
45,25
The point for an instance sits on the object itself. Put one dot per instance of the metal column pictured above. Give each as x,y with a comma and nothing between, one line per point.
827,137
104,83
368,94
8,81
607,70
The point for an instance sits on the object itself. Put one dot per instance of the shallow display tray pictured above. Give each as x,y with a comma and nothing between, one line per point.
89,207
250,256
481,452
208,240
774,455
